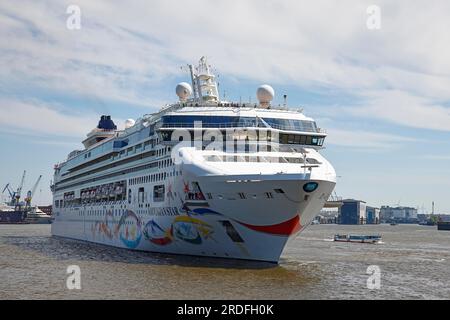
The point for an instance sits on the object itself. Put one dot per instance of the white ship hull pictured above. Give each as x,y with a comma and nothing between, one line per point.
251,229
199,177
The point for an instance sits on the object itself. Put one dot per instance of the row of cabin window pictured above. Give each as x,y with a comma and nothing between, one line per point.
154,177
70,200
242,195
159,195
138,147
79,201
115,174
131,150
149,166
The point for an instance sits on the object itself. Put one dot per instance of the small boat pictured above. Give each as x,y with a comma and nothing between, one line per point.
357,238
37,216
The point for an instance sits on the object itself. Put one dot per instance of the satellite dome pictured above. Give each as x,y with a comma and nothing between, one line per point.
183,91
129,123
265,94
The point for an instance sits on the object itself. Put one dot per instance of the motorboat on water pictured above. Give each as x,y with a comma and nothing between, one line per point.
37,216
357,238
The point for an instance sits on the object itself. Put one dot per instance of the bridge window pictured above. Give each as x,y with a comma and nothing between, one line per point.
301,139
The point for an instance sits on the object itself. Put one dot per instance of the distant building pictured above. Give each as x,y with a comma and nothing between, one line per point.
327,217
444,218
352,212
372,215
399,214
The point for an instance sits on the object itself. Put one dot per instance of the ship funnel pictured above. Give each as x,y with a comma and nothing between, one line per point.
106,123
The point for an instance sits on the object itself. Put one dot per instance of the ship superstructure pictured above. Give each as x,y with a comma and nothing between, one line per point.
199,177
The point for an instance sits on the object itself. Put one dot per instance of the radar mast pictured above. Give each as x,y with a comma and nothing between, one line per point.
203,82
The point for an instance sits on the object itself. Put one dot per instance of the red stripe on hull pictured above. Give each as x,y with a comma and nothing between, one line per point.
283,229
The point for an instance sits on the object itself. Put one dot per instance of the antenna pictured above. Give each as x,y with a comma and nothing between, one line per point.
218,87
194,87
218,90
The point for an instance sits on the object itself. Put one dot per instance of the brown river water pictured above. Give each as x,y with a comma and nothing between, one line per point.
414,262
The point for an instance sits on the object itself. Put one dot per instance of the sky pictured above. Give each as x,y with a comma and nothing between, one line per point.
382,91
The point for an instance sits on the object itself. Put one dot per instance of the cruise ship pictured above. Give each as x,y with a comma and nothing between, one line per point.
202,177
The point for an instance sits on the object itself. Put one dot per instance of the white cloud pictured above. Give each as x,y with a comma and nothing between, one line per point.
436,157
125,52
370,141
403,108
37,117
129,52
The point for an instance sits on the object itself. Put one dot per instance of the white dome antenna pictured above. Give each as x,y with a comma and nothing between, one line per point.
129,123
183,90
265,95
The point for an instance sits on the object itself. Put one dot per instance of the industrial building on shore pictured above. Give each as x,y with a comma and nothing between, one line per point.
398,214
357,212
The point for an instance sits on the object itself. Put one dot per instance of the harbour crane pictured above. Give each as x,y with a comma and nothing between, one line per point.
12,194
6,188
19,189
31,193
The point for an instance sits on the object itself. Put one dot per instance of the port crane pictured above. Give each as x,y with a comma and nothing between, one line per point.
19,189
31,193
12,194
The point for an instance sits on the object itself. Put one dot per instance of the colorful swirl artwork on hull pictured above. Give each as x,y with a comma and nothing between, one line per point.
155,234
127,229
130,229
183,228
187,227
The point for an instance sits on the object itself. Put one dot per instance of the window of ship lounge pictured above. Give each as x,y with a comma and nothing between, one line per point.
230,122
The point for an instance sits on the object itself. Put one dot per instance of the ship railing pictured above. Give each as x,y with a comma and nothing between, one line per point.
225,104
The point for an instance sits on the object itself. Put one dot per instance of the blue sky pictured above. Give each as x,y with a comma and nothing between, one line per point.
383,95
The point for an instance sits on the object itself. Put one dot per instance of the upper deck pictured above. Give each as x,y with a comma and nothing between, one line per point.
204,110
239,116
